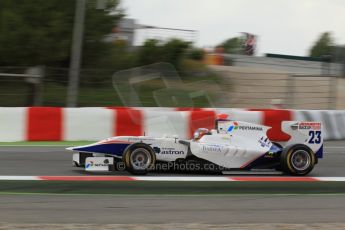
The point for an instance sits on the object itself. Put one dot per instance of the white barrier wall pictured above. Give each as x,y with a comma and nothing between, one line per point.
12,124
87,123
158,123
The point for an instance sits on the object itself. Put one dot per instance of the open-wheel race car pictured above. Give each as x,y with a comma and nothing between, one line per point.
231,146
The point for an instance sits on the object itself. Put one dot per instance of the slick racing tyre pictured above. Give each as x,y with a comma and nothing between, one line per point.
139,159
297,160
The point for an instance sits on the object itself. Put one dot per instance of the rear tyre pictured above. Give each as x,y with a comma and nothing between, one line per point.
139,159
297,160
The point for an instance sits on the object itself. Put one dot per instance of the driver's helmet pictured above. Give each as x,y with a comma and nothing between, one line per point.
199,133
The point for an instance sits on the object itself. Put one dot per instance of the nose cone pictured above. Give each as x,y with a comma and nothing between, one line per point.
70,148
80,148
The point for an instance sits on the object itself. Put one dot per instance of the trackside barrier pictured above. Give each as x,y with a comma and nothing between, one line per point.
71,124
13,123
44,124
273,118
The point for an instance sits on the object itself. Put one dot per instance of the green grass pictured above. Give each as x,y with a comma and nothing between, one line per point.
99,93
45,143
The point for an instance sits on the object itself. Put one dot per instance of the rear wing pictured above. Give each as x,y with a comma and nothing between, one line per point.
305,132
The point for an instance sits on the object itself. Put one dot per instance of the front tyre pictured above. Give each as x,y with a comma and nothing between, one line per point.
297,160
139,159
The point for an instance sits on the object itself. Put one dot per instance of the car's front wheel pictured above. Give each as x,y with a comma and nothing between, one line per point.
139,159
297,160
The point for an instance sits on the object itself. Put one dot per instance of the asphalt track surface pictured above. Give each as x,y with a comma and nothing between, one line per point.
37,161
162,209
108,209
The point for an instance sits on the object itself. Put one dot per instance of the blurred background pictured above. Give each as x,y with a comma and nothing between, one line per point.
188,54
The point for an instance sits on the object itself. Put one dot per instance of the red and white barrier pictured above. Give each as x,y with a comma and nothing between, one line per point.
72,124
175,178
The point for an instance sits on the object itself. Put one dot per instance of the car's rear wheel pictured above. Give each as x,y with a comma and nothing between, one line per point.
297,160
139,159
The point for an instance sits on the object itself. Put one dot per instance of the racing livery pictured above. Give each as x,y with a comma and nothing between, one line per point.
231,146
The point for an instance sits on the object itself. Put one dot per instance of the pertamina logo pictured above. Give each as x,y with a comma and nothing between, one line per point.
233,126
89,164
92,164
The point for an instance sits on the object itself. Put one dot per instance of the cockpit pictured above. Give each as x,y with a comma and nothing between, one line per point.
199,133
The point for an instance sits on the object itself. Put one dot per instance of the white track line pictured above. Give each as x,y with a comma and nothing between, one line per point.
331,178
19,178
176,178
179,178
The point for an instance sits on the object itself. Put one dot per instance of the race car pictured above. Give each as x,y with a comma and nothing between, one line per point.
230,146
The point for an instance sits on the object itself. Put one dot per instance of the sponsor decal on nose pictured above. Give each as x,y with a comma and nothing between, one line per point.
89,164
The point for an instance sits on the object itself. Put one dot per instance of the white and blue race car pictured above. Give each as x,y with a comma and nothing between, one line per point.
231,146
